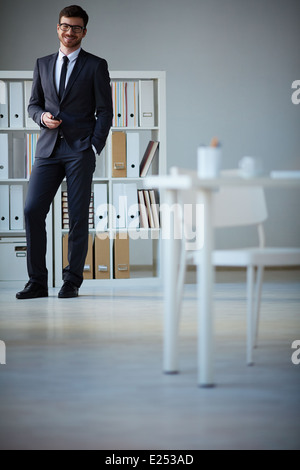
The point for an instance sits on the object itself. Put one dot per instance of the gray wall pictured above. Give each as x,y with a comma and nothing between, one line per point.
230,65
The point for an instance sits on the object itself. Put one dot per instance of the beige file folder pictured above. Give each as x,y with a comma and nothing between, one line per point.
102,257
88,265
121,256
119,155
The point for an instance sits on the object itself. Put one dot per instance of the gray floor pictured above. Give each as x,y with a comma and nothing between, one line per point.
86,373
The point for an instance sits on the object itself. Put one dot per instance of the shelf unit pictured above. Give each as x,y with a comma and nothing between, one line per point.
144,244
16,132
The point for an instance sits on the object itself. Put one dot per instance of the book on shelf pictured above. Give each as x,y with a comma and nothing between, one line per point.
150,152
148,208
154,206
142,209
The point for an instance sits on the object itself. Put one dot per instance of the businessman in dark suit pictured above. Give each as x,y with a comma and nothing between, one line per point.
71,101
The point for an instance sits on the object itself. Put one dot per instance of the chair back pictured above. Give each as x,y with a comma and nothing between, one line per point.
233,206
237,206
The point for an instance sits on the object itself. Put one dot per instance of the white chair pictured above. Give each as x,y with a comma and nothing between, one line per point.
233,207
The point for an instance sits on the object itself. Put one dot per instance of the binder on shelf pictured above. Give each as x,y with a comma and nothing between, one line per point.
27,93
133,154
149,209
154,207
146,103
119,155
88,265
3,104
4,207
102,257
16,207
4,156
150,152
121,256
18,169
144,223
119,206
100,170
100,207
132,104
65,260
133,219
16,103
118,98
31,141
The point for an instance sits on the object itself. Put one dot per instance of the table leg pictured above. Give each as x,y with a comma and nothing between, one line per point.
170,272
205,285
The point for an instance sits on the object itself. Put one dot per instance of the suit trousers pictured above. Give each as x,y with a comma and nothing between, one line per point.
45,179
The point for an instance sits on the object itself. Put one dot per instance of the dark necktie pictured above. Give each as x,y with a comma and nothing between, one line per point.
63,77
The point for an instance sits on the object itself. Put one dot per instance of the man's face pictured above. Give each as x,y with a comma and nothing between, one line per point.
71,39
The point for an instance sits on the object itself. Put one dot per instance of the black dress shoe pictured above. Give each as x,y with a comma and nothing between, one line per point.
68,290
32,290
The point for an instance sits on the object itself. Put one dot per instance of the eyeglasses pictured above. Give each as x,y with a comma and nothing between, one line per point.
75,29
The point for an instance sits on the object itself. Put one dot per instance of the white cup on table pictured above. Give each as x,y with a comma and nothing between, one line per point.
251,167
209,161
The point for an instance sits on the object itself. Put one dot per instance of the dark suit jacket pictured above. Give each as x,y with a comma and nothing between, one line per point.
85,108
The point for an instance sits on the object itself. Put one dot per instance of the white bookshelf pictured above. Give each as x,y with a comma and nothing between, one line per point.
144,244
19,132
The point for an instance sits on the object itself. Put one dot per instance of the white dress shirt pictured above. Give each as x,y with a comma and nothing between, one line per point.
59,62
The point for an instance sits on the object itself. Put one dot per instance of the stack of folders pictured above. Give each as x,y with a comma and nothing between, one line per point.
135,208
126,155
97,263
14,99
133,103
65,211
22,156
125,104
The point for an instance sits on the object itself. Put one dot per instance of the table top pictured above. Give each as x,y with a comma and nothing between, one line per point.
181,182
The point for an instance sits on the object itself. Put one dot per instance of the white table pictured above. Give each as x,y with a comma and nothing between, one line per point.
205,274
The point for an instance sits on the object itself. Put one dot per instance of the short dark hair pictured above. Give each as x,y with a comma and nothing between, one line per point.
74,11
